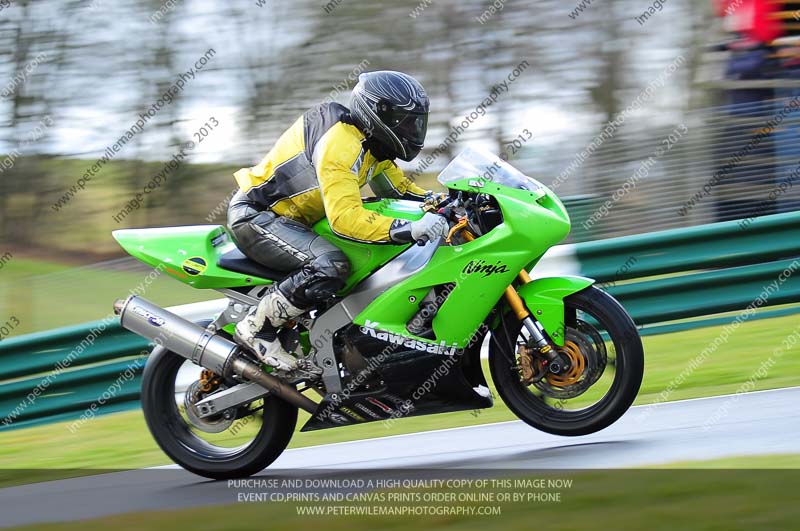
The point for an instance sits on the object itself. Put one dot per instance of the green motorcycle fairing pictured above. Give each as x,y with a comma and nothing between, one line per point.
546,297
190,254
481,270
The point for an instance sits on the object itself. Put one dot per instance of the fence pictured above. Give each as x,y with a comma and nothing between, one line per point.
687,169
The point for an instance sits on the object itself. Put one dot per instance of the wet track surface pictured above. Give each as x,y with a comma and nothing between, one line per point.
758,423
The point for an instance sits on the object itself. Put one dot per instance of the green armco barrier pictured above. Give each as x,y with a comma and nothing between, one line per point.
659,277
709,292
74,391
716,245
42,351
59,374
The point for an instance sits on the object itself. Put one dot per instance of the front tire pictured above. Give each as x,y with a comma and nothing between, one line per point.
182,444
550,412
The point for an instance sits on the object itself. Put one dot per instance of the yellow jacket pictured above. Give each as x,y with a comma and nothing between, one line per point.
317,168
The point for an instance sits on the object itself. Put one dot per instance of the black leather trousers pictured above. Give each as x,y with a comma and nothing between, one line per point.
318,269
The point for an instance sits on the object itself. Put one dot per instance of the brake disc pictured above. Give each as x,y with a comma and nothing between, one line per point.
586,365
598,356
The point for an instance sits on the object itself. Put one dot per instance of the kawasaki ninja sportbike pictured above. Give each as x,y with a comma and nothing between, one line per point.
402,338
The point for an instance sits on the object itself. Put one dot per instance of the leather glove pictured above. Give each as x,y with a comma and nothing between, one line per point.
429,227
434,198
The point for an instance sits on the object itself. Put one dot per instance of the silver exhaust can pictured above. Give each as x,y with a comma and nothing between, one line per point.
203,348
175,333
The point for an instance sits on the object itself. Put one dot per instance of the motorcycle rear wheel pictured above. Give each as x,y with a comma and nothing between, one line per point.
271,426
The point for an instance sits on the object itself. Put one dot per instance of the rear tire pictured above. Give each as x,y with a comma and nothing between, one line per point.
628,365
176,439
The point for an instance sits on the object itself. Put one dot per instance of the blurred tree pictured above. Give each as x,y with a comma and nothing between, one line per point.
107,61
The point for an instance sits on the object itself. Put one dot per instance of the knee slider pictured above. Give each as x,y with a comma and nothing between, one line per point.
331,265
319,280
328,275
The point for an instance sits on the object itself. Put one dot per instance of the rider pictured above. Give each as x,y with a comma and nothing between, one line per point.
316,170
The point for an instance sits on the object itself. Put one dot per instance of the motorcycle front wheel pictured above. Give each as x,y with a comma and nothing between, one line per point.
607,365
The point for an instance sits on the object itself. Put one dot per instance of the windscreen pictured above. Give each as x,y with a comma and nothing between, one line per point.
485,167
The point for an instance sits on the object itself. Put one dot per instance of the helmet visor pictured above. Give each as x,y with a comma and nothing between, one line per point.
410,126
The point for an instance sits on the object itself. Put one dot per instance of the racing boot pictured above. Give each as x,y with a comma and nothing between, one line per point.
258,330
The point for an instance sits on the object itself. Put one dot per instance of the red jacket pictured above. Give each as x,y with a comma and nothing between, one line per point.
751,18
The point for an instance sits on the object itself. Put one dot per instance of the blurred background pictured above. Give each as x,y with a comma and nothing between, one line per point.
627,108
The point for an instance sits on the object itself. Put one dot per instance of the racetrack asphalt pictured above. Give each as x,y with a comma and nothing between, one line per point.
758,423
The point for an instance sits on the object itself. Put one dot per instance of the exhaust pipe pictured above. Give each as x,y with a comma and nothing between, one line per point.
202,347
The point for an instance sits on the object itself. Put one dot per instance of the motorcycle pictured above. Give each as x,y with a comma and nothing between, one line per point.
402,338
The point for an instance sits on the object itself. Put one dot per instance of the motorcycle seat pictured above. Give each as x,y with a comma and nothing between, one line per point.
236,261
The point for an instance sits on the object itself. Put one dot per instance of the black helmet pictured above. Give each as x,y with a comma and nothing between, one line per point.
392,109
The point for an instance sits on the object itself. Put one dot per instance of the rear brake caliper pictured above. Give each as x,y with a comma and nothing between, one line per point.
209,382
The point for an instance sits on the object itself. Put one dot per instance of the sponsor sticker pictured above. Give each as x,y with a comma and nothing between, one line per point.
151,318
338,418
218,240
364,409
352,414
194,266
378,403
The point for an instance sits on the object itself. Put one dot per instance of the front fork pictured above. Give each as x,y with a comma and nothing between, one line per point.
530,324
